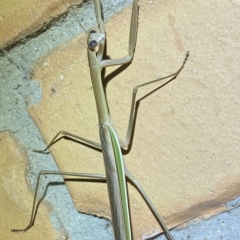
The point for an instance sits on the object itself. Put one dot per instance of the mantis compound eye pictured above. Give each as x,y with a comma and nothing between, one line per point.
92,44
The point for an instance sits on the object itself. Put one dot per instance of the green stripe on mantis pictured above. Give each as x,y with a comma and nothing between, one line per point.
122,180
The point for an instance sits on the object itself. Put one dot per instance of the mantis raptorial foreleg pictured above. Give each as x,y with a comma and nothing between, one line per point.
116,170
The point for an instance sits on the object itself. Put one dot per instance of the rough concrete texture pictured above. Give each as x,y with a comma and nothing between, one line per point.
222,226
185,145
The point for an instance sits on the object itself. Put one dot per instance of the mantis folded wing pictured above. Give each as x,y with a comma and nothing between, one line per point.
116,170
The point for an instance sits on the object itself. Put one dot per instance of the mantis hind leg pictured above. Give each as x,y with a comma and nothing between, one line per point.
36,202
149,203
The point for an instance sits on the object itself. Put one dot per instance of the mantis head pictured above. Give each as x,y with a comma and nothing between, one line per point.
94,38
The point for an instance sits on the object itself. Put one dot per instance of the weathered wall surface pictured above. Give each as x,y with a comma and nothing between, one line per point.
21,18
185,144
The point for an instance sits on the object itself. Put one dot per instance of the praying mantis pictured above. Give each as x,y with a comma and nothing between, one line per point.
117,173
